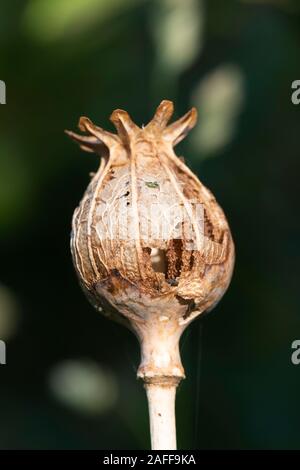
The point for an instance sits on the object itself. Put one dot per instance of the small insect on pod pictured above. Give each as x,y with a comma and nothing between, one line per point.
151,247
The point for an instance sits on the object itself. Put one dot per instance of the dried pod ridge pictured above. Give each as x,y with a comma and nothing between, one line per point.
150,244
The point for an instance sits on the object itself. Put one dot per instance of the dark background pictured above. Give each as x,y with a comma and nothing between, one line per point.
69,381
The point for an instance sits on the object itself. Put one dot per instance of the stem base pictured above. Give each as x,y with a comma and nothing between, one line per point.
161,402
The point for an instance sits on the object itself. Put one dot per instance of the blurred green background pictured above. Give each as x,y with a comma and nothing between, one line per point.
70,380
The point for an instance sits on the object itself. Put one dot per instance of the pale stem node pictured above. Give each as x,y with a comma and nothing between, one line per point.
161,370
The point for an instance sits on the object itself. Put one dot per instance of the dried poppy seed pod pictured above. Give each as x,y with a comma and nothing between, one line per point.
151,246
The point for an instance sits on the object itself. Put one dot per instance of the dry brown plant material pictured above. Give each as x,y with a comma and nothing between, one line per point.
151,246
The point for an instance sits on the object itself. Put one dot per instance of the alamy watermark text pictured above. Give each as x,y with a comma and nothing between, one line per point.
2,92
296,92
2,352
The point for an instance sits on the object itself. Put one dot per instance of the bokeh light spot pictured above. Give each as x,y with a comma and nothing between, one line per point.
219,98
84,386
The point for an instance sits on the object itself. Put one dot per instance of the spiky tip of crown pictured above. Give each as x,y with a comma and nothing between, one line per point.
98,138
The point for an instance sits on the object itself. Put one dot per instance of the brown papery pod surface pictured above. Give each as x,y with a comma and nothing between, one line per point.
151,246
